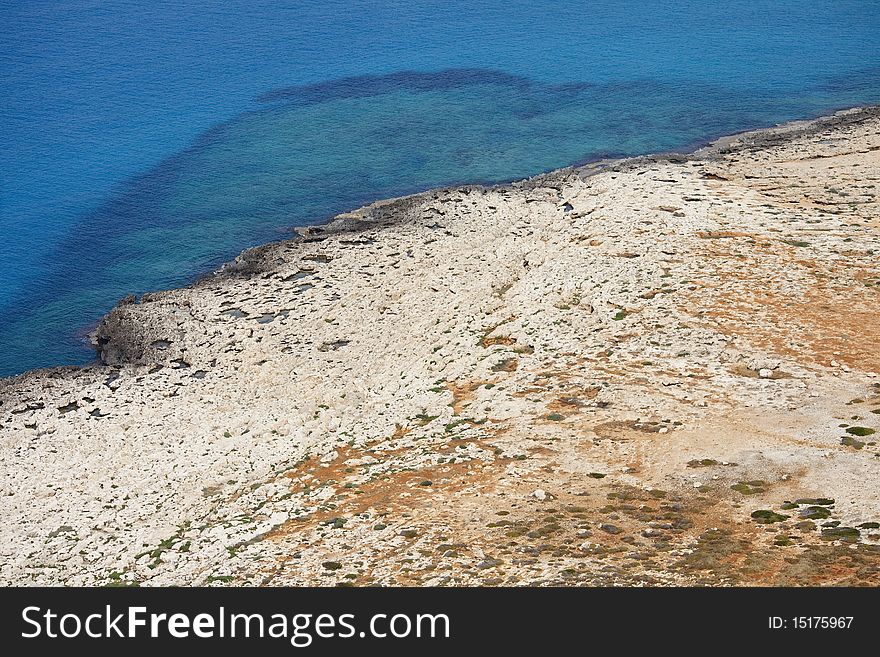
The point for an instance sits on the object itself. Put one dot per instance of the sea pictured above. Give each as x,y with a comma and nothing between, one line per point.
143,144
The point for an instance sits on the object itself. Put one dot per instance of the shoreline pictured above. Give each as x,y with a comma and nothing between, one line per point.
636,372
384,213
249,260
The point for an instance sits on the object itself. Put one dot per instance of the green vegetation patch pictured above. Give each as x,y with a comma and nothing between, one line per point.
424,418
849,441
767,517
861,431
820,501
702,463
750,487
815,513
841,534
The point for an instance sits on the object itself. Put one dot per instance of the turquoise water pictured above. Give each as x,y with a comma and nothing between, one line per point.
146,143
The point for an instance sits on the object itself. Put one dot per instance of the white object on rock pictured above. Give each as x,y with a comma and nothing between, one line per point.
765,373
540,494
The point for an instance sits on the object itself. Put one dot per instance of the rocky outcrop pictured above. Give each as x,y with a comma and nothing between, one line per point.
653,371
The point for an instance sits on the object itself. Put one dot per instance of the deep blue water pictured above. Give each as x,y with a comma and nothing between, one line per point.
144,143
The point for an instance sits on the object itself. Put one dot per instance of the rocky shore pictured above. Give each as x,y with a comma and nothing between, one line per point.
654,371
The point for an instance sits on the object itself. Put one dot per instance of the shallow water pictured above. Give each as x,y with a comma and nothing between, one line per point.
143,146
